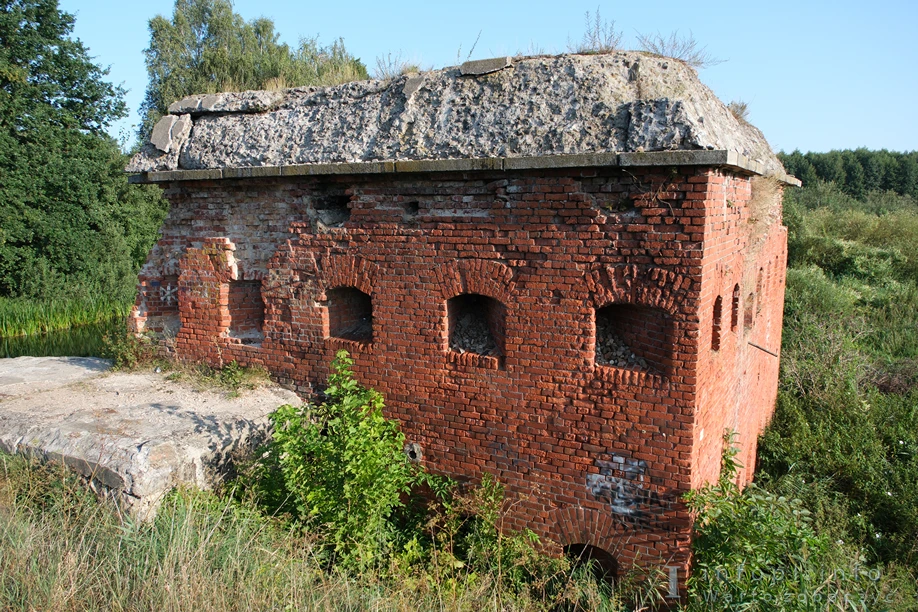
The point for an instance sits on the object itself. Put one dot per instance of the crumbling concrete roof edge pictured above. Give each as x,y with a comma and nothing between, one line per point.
715,158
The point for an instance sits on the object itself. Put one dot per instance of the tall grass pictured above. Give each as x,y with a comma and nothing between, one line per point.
845,433
22,316
63,549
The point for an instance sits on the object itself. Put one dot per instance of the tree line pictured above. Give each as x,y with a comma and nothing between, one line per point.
857,172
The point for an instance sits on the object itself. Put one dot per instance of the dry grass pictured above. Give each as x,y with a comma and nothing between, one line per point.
278,83
683,48
599,36
231,378
739,110
389,67
63,549
339,74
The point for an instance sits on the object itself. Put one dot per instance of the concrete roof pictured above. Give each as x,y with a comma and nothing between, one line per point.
623,108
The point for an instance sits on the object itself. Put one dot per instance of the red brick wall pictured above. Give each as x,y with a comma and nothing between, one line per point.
737,384
246,309
591,454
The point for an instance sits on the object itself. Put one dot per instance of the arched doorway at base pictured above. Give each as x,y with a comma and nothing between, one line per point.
603,565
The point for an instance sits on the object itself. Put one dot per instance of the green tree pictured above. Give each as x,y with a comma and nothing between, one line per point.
71,225
206,48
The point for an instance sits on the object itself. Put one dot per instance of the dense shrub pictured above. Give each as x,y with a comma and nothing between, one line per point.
756,550
344,465
73,229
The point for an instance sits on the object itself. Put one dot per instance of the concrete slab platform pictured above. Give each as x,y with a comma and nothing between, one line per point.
137,434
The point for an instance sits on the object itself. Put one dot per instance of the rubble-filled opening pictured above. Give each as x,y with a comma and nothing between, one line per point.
350,314
411,209
602,564
634,336
476,324
715,323
734,313
246,311
331,205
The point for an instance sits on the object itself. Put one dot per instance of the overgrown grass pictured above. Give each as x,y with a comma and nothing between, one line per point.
231,378
845,434
23,316
62,548
131,351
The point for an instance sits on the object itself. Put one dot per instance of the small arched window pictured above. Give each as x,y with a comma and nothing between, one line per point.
734,309
476,324
634,336
715,324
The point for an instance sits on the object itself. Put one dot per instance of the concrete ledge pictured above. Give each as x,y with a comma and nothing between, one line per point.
450,165
342,168
252,172
137,435
714,158
562,161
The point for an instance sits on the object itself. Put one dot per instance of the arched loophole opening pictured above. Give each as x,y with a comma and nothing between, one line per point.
246,311
350,314
476,324
715,323
601,564
734,312
634,336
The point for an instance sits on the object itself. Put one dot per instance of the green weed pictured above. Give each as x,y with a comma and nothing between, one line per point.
23,316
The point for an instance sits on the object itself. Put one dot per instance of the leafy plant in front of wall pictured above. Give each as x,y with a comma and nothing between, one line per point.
126,349
754,550
343,464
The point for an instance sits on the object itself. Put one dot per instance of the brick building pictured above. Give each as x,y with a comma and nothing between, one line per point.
567,272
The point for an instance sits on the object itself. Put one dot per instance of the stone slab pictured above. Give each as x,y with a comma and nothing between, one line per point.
485,66
621,102
161,138
27,375
136,434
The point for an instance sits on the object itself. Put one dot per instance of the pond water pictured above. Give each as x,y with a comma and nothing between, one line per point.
83,341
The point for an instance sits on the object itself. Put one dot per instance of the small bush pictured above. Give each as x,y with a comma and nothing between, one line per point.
755,550
344,465
683,48
599,36
128,350
740,110
391,66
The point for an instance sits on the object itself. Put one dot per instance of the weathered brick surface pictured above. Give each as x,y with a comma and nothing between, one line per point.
592,454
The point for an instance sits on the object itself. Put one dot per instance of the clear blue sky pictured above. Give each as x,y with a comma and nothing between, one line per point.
816,75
